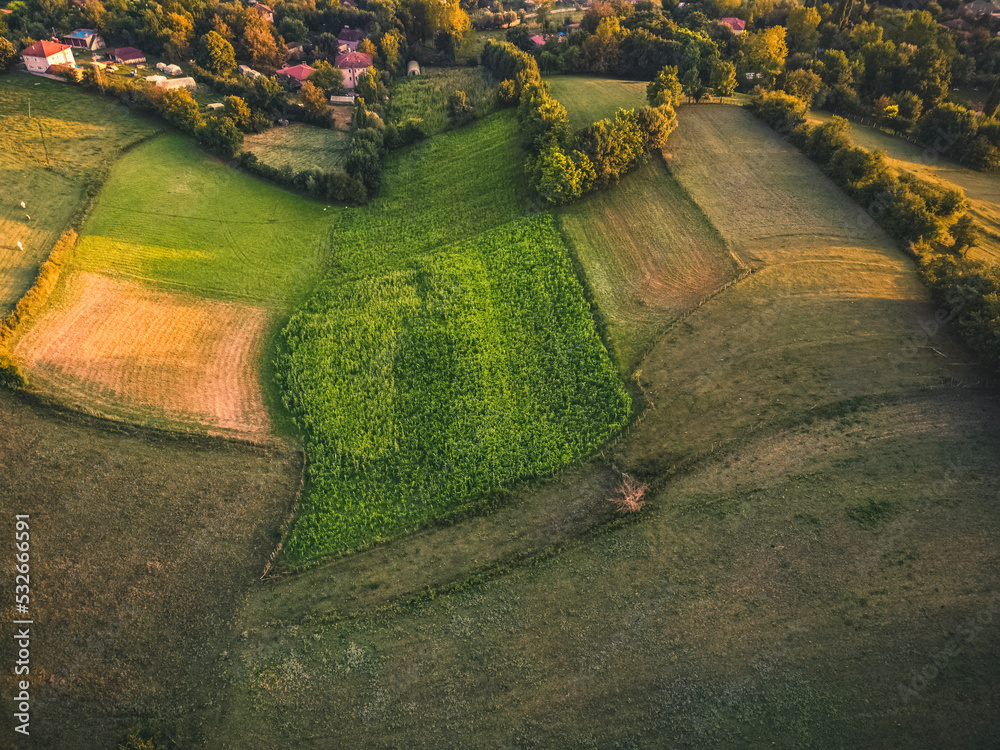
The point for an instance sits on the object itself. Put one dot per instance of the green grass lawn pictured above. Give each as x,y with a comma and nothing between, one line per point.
48,162
450,354
425,97
299,147
591,99
173,218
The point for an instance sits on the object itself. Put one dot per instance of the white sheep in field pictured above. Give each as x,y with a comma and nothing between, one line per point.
27,217
22,205
19,246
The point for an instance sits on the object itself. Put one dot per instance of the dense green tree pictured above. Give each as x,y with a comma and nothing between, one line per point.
221,136
328,78
803,29
7,53
238,111
764,53
216,54
723,80
315,103
665,88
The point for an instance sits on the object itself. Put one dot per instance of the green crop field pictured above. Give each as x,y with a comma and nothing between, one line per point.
982,189
591,99
170,217
451,354
649,255
425,97
48,162
299,147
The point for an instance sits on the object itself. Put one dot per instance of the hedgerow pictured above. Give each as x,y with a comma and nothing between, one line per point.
929,221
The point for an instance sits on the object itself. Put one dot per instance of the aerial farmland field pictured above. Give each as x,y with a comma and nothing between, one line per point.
50,162
308,475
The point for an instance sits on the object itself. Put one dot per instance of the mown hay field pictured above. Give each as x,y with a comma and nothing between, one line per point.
48,162
450,354
588,100
425,97
118,348
821,527
982,189
649,255
299,147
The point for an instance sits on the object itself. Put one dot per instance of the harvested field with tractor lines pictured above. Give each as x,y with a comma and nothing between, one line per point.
117,348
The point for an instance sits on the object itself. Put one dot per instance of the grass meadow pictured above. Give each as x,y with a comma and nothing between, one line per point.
450,354
172,218
50,162
649,255
299,147
166,312
588,100
820,526
425,97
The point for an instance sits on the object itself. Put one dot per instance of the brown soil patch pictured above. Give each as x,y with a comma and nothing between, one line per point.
120,349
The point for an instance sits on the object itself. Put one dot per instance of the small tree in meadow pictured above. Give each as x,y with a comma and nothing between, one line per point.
630,495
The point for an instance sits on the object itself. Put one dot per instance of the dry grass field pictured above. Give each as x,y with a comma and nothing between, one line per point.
649,255
48,162
816,566
300,147
117,348
142,547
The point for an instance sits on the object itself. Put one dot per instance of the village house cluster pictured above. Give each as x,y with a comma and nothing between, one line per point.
54,58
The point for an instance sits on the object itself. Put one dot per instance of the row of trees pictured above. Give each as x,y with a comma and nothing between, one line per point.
931,221
564,166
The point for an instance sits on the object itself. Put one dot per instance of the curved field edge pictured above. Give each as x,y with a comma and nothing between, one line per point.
427,389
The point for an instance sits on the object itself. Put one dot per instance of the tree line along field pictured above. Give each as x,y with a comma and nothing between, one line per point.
821,526
50,162
450,353
982,190
164,313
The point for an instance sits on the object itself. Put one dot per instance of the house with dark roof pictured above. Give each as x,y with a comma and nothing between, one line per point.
41,56
84,39
735,25
350,38
295,75
264,11
353,64
128,56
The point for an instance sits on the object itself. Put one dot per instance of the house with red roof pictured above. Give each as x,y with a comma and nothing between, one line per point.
295,75
735,25
41,56
353,64
128,56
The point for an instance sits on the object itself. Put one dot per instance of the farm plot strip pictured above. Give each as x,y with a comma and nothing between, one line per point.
820,327
123,350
